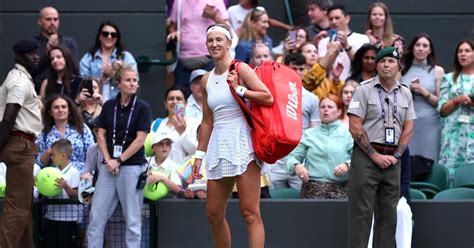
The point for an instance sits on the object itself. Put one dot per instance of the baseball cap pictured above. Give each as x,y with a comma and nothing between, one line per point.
195,74
159,137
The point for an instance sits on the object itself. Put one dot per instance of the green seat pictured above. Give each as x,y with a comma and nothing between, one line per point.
455,194
285,193
435,182
417,194
464,176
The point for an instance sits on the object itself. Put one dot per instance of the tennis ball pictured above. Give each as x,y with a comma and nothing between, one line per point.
3,187
155,191
46,181
147,145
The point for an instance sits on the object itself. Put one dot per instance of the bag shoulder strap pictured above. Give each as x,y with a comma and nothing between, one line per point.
249,115
156,124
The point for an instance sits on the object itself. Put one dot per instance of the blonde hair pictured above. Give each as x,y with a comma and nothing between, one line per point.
387,36
352,83
118,68
246,31
98,107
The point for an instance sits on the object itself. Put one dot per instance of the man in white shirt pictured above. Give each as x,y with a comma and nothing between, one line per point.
351,41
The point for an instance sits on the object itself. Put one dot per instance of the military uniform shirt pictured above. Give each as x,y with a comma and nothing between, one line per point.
18,88
366,104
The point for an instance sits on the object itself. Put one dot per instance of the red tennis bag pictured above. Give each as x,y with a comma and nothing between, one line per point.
275,130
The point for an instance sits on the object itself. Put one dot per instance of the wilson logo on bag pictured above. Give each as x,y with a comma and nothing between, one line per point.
276,130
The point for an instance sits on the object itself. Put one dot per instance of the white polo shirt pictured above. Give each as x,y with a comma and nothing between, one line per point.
355,40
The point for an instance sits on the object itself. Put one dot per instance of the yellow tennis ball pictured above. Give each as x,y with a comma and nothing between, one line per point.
3,188
46,181
155,191
147,145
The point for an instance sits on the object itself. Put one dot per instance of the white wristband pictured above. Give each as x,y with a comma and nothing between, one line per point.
240,90
199,154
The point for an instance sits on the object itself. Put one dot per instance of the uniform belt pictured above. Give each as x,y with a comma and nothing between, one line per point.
24,135
384,148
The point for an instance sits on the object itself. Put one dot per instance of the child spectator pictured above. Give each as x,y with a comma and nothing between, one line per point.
260,53
195,188
61,221
253,30
160,162
319,22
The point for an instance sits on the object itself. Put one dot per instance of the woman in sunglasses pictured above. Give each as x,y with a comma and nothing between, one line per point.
97,62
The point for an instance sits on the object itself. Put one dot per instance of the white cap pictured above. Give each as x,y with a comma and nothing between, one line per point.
159,137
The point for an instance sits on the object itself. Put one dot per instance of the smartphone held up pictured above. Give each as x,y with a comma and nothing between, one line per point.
332,34
88,84
179,110
292,36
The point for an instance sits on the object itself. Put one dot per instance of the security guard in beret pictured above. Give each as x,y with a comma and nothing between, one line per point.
20,116
381,118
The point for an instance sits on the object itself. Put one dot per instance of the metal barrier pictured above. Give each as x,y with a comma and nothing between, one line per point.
63,223
144,63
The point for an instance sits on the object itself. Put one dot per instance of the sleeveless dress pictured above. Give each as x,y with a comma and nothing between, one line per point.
230,147
427,127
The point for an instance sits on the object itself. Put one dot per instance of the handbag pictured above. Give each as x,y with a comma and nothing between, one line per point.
275,130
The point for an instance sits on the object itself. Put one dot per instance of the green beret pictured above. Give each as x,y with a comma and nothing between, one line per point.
387,52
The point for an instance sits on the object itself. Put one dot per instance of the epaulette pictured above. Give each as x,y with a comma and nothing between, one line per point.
367,81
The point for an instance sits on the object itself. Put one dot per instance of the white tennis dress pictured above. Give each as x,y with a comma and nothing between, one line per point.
230,146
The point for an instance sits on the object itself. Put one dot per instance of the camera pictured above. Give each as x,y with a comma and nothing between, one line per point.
142,181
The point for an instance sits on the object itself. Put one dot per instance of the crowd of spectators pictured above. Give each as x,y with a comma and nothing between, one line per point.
331,59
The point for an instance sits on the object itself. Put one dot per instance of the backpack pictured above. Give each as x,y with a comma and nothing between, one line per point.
275,130
149,138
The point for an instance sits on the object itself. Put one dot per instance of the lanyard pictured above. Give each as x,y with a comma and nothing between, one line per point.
128,122
382,104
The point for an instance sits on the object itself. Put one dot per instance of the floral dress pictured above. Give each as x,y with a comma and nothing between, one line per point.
80,144
457,136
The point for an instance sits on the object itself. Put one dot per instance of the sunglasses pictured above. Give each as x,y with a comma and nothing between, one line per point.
106,34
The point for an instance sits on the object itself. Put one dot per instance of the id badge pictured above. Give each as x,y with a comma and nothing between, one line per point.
117,151
464,118
389,135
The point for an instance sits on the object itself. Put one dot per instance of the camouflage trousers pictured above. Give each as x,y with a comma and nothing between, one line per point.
323,190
